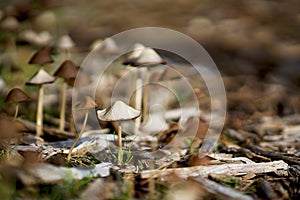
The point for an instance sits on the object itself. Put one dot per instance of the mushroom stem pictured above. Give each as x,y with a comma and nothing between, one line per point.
78,136
16,111
138,101
146,95
39,115
119,131
63,106
120,159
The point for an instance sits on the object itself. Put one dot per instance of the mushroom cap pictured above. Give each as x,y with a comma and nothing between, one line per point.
67,70
16,95
40,78
65,42
86,104
137,50
42,56
148,57
118,111
109,47
10,23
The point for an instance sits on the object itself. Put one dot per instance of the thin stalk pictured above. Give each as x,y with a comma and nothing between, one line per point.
16,111
39,115
78,136
138,101
146,95
63,106
120,153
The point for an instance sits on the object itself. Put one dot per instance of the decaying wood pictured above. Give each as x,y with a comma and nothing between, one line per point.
278,167
275,155
223,191
47,130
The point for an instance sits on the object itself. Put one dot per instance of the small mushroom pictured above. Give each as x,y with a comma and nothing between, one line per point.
87,104
16,95
109,47
65,43
118,111
10,24
42,56
144,57
66,71
40,78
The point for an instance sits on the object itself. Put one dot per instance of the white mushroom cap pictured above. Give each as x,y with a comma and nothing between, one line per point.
149,57
118,111
137,51
41,77
65,42
10,23
109,46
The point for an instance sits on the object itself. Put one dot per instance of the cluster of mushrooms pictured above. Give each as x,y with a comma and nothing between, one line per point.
141,57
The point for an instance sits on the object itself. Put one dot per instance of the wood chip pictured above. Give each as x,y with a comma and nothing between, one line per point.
278,167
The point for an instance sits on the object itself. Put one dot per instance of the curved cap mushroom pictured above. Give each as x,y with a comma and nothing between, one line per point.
67,70
109,46
42,56
135,54
65,42
148,57
86,104
118,111
10,23
41,77
16,95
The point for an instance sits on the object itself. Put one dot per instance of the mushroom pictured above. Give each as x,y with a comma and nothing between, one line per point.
118,111
66,71
108,47
40,78
85,105
65,43
144,57
42,56
16,95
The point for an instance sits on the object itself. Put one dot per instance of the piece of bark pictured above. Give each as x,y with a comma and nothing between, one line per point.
289,158
278,167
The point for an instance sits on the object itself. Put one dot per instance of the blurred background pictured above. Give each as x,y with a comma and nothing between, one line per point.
253,41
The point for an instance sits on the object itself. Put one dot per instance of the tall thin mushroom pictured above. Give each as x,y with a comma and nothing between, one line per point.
66,71
16,95
65,43
40,78
148,57
118,111
85,105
